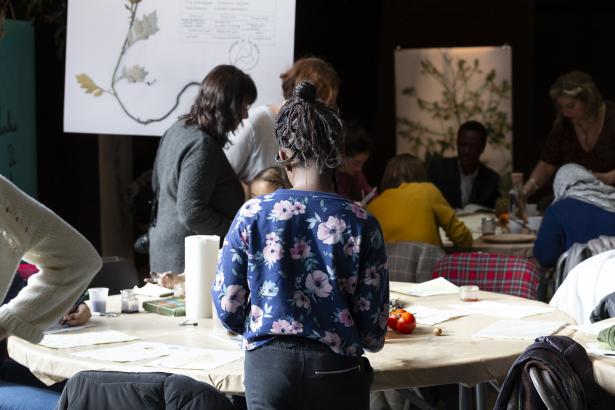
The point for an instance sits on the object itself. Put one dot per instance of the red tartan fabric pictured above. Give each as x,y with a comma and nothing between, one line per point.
512,275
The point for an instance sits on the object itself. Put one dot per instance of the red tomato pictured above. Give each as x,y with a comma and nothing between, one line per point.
406,323
392,322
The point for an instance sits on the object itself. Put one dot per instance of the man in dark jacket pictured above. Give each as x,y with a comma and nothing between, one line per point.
463,179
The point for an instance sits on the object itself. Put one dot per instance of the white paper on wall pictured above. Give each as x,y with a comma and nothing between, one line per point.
438,89
127,62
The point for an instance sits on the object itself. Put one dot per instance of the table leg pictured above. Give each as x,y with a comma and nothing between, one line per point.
480,396
465,397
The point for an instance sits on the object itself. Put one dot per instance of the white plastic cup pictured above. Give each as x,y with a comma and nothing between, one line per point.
98,299
534,222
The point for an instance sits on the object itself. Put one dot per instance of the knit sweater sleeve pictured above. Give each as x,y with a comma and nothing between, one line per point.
445,216
199,174
65,259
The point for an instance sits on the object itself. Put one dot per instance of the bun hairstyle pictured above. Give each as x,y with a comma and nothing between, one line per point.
311,129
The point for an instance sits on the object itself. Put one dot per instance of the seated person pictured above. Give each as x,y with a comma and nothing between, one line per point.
463,179
585,286
410,209
267,181
583,209
349,178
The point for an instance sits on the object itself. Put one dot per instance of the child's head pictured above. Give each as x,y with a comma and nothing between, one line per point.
403,168
309,132
268,180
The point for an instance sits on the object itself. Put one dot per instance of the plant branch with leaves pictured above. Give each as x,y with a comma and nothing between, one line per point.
139,29
459,102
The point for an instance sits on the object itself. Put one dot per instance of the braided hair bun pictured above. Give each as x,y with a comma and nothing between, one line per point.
311,129
305,91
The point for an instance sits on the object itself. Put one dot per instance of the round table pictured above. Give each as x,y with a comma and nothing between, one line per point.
419,359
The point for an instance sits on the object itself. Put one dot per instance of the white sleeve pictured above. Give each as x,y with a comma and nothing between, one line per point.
67,262
240,148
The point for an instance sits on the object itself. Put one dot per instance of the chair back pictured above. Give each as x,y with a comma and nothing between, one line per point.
578,252
412,261
116,274
512,275
132,390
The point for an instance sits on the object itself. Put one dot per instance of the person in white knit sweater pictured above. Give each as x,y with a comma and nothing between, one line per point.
66,260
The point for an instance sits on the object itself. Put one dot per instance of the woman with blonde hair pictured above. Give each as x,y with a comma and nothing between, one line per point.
583,131
411,209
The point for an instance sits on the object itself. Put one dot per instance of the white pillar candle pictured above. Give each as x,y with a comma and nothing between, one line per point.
201,262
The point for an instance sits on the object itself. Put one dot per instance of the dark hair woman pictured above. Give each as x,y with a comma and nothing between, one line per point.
410,209
302,275
195,187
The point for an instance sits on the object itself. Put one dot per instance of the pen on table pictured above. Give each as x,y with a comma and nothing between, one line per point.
104,314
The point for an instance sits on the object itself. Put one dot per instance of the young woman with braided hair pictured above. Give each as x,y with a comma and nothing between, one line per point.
302,275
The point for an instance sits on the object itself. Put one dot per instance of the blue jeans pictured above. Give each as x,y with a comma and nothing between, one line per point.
293,372
19,397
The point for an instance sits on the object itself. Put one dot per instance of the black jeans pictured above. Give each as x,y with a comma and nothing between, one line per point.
293,372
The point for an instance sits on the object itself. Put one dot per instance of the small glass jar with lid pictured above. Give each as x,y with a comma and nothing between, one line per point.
130,303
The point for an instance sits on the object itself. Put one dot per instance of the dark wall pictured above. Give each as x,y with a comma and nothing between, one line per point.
548,37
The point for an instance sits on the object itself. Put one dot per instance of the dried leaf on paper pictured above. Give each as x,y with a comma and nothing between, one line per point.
89,85
134,74
143,28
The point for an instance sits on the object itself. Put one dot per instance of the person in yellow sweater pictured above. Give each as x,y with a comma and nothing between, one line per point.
410,209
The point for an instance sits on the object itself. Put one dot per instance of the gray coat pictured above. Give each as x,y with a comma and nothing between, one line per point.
198,194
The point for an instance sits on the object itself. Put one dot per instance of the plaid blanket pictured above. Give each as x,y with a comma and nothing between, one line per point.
512,275
412,261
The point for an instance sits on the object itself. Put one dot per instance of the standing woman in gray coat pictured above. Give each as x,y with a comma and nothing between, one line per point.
196,190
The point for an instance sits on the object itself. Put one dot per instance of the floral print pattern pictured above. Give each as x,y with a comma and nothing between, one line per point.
301,263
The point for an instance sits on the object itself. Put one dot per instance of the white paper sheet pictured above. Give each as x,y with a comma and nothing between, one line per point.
134,352
153,290
61,341
593,328
520,329
596,349
204,359
498,309
58,328
438,286
430,316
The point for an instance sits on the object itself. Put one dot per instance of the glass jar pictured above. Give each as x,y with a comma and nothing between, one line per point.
130,303
468,293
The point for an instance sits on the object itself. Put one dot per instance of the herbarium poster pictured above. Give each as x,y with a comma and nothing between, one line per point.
134,66
438,89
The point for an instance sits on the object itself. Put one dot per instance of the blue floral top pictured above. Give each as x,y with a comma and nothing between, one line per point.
304,263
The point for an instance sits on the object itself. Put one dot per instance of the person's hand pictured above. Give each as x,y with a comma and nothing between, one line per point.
170,279
78,317
606,177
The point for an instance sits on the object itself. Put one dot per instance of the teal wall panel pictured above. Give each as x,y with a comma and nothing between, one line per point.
18,106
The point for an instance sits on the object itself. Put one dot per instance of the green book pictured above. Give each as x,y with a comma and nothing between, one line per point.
167,306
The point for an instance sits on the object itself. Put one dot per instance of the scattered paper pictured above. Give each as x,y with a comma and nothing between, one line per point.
204,359
430,316
58,328
498,309
438,286
520,329
593,328
153,290
134,352
596,349
61,341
